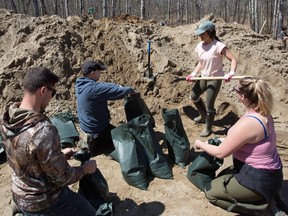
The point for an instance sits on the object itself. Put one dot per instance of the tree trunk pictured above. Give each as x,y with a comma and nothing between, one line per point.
43,8
66,8
104,8
36,8
81,8
127,7
113,14
13,6
142,9
275,19
55,6
187,12
169,10
280,17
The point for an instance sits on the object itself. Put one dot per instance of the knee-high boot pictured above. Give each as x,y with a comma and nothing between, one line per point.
208,124
202,111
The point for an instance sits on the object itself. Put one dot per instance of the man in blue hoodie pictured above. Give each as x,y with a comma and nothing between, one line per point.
92,106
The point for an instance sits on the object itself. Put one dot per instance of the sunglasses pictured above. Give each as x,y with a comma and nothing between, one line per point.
235,88
52,90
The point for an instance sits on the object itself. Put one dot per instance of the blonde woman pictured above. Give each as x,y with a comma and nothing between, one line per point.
257,172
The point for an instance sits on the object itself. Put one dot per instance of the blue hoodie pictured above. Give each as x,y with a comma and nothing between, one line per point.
92,106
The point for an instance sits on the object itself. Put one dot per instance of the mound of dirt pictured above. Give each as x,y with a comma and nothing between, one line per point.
62,45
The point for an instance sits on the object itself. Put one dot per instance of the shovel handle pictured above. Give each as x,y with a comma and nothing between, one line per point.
209,78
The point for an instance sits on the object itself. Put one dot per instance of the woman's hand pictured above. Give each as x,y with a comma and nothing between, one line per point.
197,145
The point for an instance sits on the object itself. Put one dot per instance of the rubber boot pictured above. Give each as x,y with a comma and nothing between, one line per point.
202,111
208,126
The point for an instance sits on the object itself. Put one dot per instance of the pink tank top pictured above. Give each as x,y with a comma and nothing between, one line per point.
264,154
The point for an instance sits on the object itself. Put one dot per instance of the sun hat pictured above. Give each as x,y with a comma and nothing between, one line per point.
90,66
204,26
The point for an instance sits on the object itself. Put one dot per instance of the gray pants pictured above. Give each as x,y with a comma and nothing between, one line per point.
212,88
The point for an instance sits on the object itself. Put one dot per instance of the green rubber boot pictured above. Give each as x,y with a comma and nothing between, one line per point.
208,126
202,111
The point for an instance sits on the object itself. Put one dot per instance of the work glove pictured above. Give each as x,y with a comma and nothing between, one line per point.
190,77
227,77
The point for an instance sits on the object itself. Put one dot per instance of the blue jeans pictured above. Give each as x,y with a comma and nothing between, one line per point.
69,203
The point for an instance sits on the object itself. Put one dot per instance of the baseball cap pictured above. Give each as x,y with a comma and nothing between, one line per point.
90,66
204,26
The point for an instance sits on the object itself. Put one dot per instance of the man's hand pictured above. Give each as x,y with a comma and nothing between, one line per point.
68,152
89,167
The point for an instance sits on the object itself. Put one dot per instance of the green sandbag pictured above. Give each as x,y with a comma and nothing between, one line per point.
176,138
203,169
139,152
67,132
94,187
135,106
133,166
105,209
144,133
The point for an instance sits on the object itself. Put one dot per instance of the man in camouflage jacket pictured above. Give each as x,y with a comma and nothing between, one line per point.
32,144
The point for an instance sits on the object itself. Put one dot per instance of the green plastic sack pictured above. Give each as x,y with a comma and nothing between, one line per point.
144,133
66,129
133,164
176,138
203,169
105,209
135,106
93,187
139,152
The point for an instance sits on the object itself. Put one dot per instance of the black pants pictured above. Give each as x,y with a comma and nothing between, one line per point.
101,143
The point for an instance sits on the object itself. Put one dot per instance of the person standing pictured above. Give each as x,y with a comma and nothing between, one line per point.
210,64
256,176
92,106
32,144
284,37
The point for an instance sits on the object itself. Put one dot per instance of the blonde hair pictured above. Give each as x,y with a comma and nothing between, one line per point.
258,93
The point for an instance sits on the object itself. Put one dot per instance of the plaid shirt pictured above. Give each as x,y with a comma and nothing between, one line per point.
33,150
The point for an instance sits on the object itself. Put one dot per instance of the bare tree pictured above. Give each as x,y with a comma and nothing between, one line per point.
104,8
142,9
36,8
43,8
55,7
81,6
169,10
13,6
113,8
275,19
128,7
66,8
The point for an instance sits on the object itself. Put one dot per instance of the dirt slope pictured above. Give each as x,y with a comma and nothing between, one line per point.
64,44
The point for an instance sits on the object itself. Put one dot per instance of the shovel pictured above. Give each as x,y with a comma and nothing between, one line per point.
149,72
177,79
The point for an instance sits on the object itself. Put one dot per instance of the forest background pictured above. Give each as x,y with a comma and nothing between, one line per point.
263,16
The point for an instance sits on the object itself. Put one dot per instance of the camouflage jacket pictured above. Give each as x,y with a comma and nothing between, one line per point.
33,150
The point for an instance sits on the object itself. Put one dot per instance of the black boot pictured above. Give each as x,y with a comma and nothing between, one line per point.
202,111
208,126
